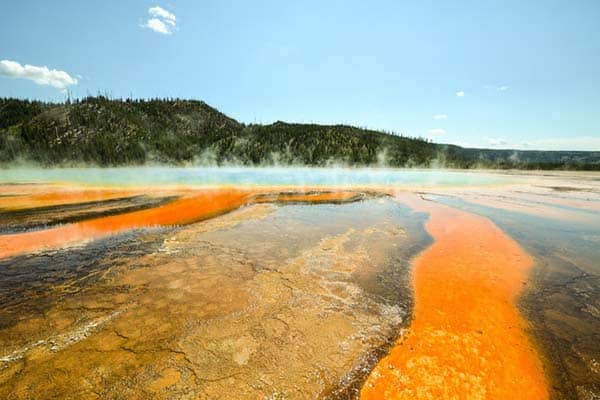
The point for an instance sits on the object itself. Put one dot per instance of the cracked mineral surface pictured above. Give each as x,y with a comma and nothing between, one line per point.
278,298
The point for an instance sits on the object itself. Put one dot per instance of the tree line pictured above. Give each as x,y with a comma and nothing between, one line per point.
98,130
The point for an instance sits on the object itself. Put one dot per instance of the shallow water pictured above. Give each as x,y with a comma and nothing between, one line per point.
249,176
297,283
254,302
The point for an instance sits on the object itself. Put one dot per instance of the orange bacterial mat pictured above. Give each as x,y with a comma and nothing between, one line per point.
191,207
467,339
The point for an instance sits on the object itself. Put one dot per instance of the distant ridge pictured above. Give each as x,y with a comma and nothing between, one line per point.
113,132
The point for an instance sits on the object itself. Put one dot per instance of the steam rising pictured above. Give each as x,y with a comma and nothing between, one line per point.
261,176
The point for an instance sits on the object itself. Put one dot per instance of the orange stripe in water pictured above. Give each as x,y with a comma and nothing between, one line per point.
193,206
185,210
467,339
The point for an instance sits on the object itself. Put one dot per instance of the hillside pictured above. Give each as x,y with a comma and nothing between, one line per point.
111,132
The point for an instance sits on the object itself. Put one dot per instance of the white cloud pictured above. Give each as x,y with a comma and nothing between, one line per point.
440,116
494,142
39,75
576,143
162,21
158,26
584,143
497,88
460,93
436,131
160,12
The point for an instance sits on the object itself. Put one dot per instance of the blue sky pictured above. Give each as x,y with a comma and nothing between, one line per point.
529,71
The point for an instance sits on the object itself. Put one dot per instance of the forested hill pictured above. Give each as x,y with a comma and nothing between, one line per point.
112,132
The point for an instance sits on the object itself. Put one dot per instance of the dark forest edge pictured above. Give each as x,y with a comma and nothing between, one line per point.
99,131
